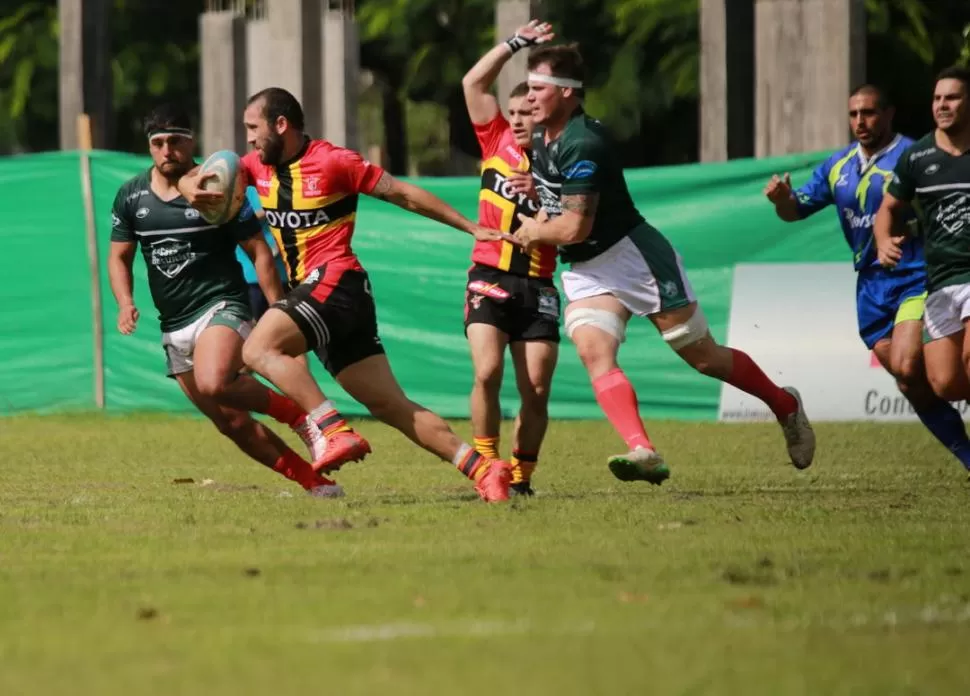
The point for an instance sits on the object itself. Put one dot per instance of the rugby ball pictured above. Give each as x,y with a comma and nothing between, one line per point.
228,180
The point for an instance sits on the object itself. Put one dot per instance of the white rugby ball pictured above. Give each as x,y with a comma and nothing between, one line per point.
228,180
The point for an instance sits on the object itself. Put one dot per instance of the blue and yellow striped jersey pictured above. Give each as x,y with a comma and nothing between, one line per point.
855,187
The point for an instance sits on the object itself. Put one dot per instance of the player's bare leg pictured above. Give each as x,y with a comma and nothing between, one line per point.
597,337
535,362
902,356
258,441
686,332
274,351
946,369
217,363
371,382
487,344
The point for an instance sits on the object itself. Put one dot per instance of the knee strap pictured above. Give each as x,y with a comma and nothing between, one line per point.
691,331
600,318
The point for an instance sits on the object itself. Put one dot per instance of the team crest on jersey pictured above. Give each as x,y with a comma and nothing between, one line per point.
932,169
191,214
668,289
311,186
142,213
171,256
953,213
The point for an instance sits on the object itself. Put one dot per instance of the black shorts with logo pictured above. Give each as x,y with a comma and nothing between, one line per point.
335,311
524,308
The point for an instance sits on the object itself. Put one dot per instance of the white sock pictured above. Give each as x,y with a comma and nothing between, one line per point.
322,410
461,453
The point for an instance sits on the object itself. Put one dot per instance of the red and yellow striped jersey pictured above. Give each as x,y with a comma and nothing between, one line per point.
311,203
498,207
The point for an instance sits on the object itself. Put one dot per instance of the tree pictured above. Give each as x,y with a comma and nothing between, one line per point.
145,68
28,72
909,42
421,49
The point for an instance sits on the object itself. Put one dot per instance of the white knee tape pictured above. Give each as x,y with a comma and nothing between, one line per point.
691,331
600,318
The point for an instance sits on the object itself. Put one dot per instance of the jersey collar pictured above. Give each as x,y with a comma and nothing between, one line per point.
298,155
864,163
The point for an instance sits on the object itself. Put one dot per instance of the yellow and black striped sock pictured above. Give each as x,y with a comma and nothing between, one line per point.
523,464
328,419
487,446
471,463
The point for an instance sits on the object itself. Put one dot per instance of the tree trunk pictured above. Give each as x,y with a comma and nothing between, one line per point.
465,152
395,127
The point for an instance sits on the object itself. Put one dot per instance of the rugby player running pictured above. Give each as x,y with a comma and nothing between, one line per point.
889,302
621,266
309,189
202,299
933,175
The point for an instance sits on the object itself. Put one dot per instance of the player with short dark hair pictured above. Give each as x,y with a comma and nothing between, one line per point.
197,287
934,176
889,303
309,190
510,297
621,266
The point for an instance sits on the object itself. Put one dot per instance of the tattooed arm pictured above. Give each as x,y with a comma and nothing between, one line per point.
572,227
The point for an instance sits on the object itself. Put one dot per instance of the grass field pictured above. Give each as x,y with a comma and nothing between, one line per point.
738,576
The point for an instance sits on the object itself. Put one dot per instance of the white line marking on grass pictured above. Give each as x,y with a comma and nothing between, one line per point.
372,633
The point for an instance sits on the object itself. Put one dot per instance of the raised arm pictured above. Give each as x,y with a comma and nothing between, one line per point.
477,83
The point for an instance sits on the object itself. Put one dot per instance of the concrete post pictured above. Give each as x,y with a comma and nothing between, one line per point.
340,67
509,16
85,71
222,81
261,69
293,49
726,79
808,56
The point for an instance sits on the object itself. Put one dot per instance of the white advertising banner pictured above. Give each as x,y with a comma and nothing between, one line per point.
798,321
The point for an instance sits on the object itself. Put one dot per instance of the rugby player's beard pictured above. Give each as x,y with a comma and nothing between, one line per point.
271,152
173,171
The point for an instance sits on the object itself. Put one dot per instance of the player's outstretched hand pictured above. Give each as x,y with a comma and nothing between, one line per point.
889,251
779,190
535,32
487,234
127,319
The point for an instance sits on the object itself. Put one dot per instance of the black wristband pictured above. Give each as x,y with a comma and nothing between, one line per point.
517,43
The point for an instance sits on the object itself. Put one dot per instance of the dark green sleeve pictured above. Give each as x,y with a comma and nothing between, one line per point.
583,164
245,225
120,219
903,183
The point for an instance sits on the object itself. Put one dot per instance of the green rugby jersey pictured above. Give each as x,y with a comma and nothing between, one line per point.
191,264
582,160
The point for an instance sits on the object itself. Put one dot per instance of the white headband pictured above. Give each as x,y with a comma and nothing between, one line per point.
556,81
184,132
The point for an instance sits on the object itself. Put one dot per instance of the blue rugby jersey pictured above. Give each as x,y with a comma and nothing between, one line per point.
855,186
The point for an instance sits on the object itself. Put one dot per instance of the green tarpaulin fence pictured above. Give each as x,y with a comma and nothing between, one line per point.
715,215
